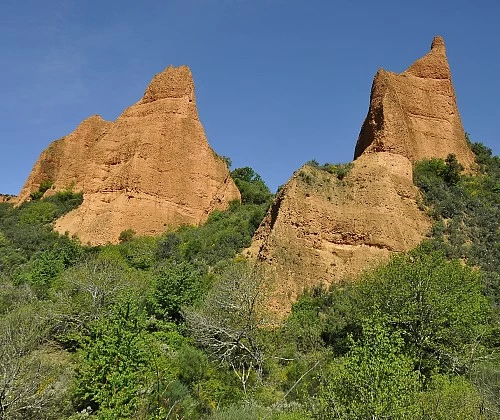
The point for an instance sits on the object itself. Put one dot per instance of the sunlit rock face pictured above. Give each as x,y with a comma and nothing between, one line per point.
150,169
415,113
321,230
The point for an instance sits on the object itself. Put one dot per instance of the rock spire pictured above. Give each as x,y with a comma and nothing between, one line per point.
150,169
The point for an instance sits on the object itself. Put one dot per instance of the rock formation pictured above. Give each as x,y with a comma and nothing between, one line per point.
415,113
7,198
150,169
321,229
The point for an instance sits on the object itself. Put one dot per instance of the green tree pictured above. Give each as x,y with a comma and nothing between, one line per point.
374,380
252,188
177,285
437,305
118,363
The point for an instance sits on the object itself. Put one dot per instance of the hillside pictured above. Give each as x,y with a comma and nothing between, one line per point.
324,227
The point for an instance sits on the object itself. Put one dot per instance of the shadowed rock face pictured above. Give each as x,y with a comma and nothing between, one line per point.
415,113
150,169
321,230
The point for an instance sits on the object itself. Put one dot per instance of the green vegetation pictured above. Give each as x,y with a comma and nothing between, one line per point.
252,188
340,170
172,327
44,186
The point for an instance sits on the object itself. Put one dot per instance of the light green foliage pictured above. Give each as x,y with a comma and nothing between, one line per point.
40,212
374,380
450,398
119,362
436,304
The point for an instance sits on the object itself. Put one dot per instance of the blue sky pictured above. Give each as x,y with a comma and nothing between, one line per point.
278,82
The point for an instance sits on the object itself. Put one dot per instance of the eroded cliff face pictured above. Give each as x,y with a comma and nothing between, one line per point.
6,198
415,113
321,230
150,169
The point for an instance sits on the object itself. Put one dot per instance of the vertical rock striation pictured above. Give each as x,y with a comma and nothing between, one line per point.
415,113
150,169
321,229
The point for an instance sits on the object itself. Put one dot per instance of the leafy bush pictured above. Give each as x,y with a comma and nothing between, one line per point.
252,188
374,380
44,186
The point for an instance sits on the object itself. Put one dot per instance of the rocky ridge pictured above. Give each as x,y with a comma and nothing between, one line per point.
150,169
322,229
7,198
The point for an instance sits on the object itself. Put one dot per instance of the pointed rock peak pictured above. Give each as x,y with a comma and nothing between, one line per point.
438,44
415,113
173,82
92,120
434,65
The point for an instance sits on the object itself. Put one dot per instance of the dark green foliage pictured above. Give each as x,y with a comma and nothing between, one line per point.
126,235
466,210
221,237
177,285
65,201
139,252
252,188
44,186
28,242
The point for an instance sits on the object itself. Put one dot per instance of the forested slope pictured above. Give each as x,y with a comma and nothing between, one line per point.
175,326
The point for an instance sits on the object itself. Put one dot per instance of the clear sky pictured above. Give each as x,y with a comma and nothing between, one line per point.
278,82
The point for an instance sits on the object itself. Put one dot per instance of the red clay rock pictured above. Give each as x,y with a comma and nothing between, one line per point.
150,169
321,230
7,198
415,113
